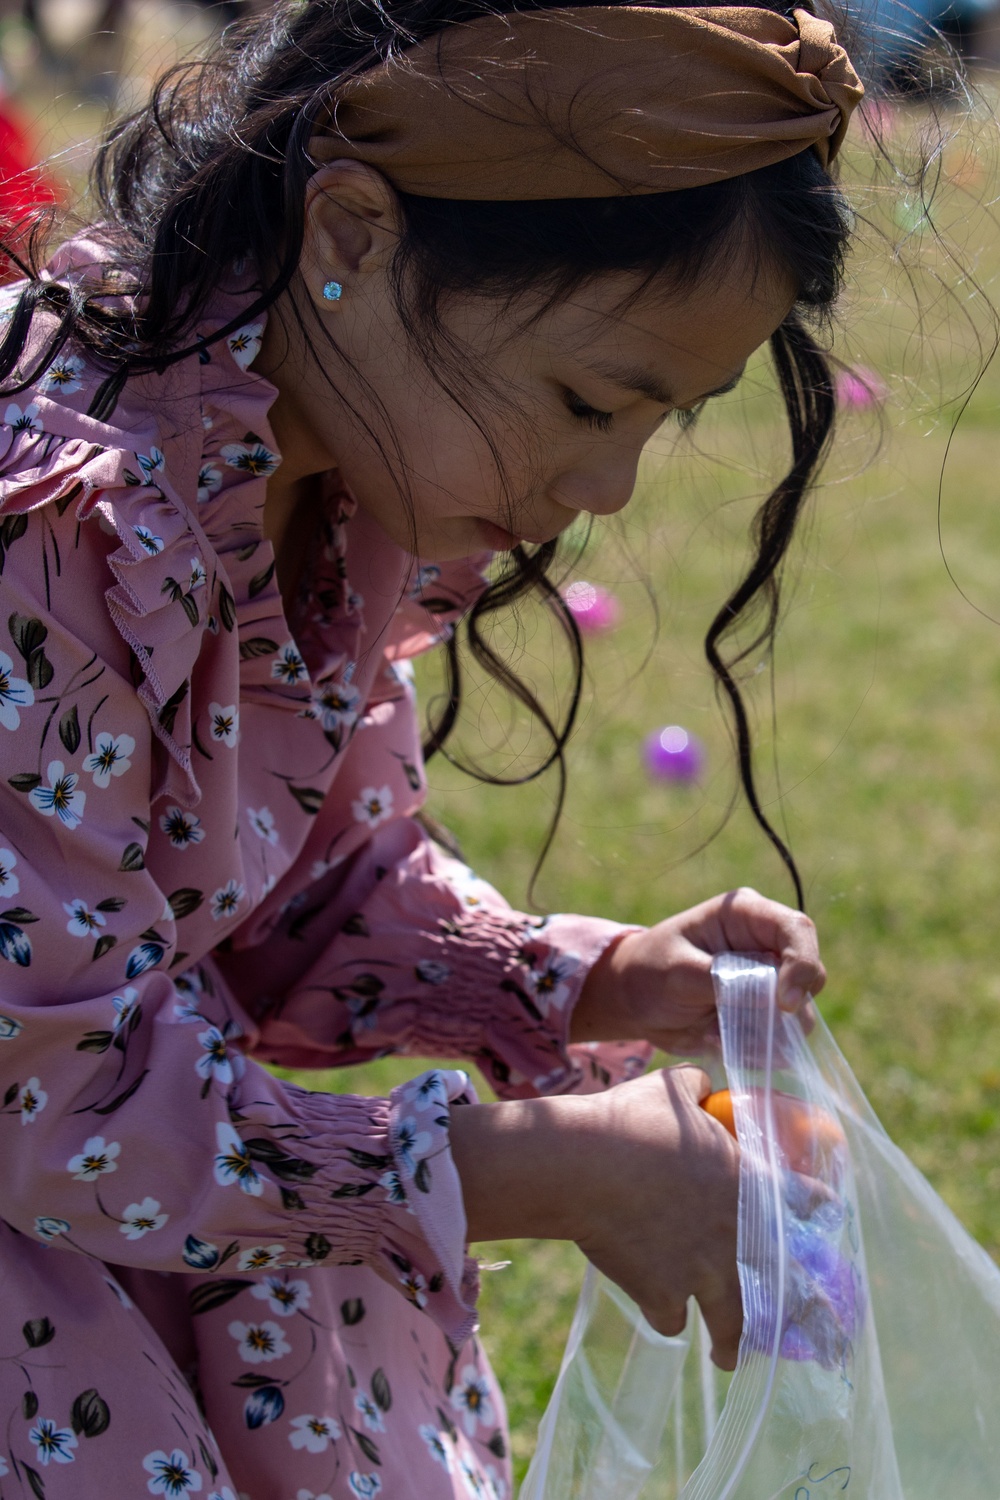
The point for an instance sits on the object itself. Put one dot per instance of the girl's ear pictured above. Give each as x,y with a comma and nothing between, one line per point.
352,227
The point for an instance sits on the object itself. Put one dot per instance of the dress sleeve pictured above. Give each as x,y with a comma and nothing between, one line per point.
132,1128
404,949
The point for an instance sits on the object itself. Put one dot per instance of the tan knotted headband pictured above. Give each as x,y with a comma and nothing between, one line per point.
597,102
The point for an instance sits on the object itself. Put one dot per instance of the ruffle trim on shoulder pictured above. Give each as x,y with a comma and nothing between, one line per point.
164,576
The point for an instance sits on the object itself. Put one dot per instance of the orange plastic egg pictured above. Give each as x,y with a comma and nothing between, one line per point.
808,1136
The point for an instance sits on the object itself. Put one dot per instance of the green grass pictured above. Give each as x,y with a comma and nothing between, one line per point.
886,732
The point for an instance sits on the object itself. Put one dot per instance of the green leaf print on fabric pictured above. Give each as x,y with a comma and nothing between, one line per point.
352,1311
381,1390
185,901
257,645
216,1294
38,1332
69,730
309,798
132,858
90,1415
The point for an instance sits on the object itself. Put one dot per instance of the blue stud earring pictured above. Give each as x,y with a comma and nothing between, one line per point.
333,291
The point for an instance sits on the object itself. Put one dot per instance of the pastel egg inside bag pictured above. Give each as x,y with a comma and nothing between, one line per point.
870,1359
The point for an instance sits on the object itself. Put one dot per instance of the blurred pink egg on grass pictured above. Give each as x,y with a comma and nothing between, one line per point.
593,608
672,754
860,388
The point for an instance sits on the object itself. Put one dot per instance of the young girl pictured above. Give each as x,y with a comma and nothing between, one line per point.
377,282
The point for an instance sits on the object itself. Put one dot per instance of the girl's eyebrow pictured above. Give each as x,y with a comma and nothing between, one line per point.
644,383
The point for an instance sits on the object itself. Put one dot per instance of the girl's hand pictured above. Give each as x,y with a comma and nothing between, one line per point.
640,1177
656,985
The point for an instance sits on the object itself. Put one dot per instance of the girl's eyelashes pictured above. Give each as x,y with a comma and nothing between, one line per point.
601,420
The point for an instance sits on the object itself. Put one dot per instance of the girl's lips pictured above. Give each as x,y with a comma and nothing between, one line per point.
497,539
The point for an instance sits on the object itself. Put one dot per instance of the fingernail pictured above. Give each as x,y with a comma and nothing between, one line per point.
793,999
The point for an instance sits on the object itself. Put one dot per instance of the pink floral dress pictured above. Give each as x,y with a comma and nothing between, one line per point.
216,1283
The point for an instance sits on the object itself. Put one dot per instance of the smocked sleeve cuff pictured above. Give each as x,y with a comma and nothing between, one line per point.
380,1188
509,986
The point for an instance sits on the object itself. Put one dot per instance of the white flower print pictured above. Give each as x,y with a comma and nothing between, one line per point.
209,482
52,1444
9,882
31,1100
414,1287
224,723
142,1218
261,1257
22,421
373,806
244,344
432,971
548,983
393,1184
9,1028
82,921
118,1291
198,576
224,1494
62,378
153,544
3,1467
125,1007
437,1445
431,1093
411,1144
260,1342
151,463
467,886
288,666
498,1486
314,1434
61,797
216,1061
470,1396
182,828
475,1488
284,1297
172,1473
15,693
250,458
110,758
233,1163
364,1485
226,900
262,823
48,1228
308,1495
97,1158
370,1413
336,705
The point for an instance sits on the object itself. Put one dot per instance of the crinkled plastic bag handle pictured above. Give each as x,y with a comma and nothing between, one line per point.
870,1357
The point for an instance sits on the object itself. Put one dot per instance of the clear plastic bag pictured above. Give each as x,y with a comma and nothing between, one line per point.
870,1357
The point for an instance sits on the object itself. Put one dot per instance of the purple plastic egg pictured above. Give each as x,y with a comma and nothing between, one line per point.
593,608
672,754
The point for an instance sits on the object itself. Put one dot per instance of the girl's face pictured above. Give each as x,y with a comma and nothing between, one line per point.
530,421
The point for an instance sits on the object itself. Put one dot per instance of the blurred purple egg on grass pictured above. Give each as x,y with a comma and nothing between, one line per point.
672,754
593,608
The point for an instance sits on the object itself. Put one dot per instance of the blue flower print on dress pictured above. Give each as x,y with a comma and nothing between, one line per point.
15,693
110,758
216,1061
60,798
226,900
289,666
151,463
438,1446
152,544
472,1399
209,482
370,1414
250,457
173,1473
22,421
263,1406
233,1163
48,1228
53,1444
9,882
82,921
125,1008
143,956
364,1485
182,828
15,946
199,1254
62,378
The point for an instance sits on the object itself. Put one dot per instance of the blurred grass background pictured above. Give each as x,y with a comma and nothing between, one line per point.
877,732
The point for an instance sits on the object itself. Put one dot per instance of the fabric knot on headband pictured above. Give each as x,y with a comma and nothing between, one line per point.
598,101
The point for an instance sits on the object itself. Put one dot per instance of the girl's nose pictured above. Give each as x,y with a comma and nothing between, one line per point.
601,490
